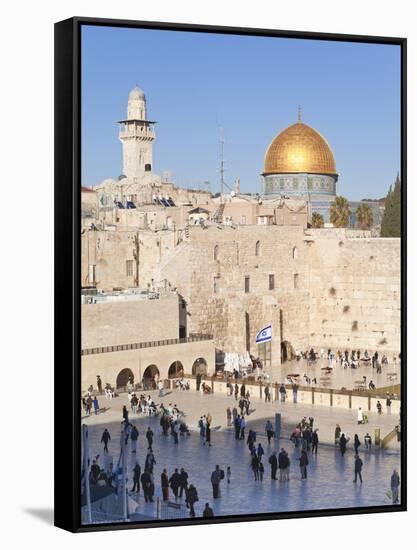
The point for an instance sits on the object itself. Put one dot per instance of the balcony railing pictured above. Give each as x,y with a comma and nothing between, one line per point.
153,344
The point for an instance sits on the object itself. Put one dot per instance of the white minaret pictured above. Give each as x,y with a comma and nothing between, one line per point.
136,134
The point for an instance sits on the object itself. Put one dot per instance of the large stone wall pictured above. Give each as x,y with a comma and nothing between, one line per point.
347,291
129,322
354,291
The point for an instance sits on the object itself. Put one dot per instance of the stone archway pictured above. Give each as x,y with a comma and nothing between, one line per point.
176,370
287,352
199,366
125,377
150,376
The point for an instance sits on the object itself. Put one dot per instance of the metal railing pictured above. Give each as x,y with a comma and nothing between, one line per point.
152,344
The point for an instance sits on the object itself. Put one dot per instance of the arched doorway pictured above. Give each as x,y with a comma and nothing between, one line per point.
124,378
150,376
287,352
176,370
199,366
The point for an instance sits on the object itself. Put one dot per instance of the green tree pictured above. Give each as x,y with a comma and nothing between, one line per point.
364,216
340,212
317,220
391,220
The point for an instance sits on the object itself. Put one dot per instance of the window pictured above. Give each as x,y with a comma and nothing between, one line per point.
296,280
243,220
295,253
271,281
147,167
129,268
216,252
92,274
247,284
258,248
215,284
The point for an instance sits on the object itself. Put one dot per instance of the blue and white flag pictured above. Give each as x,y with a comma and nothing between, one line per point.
264,335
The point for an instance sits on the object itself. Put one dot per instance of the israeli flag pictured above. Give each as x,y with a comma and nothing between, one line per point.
264,335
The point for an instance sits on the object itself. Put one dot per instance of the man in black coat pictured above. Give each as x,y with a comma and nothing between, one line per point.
175,482
358,468
314,442
183,481
208,512
105,438
146,481
274,465
136,478
149,437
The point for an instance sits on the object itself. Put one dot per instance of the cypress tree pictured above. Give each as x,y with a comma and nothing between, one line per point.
391,220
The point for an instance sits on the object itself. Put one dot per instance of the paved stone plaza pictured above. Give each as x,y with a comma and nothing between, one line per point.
330,477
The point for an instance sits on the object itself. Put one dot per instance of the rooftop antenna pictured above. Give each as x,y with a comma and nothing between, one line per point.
222,182
299,113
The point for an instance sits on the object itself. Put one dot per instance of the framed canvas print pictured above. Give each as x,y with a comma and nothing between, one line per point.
230,274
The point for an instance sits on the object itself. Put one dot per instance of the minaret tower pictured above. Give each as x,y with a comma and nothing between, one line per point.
137,135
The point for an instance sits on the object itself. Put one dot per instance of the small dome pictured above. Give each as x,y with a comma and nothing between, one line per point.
298,149
136,93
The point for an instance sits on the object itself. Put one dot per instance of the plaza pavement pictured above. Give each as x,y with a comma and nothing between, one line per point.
330,476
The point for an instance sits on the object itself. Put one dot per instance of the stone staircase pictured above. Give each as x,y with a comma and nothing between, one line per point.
218,213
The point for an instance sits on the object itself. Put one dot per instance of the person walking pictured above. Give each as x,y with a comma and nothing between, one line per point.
150,462
175,482
229,416
105,438
295,393
146,481
134,434
314,442
228,474
236,391
261,470
274,465
165,485
136,478
216,478
269,429
360,416
208,435
303,464
358,468
125,414
282,392
356,443
267,393
242,427
388,404
237,426
260,451
342,444
183,482
99,384
337,433
368,441
255,467
395,484
379,407
191,497
149,437
96,405
207,512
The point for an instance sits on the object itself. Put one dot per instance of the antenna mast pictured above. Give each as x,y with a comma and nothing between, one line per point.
222,182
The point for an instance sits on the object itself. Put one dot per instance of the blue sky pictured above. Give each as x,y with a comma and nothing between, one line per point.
251,86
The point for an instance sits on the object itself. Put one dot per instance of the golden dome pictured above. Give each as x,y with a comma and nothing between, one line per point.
299,149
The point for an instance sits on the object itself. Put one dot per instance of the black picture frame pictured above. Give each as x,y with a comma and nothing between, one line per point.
67,268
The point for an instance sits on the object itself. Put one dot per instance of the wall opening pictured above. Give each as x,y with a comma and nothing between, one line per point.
124,378
199,366
176,370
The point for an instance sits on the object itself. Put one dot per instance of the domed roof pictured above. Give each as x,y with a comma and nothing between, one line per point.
136,93
299,149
